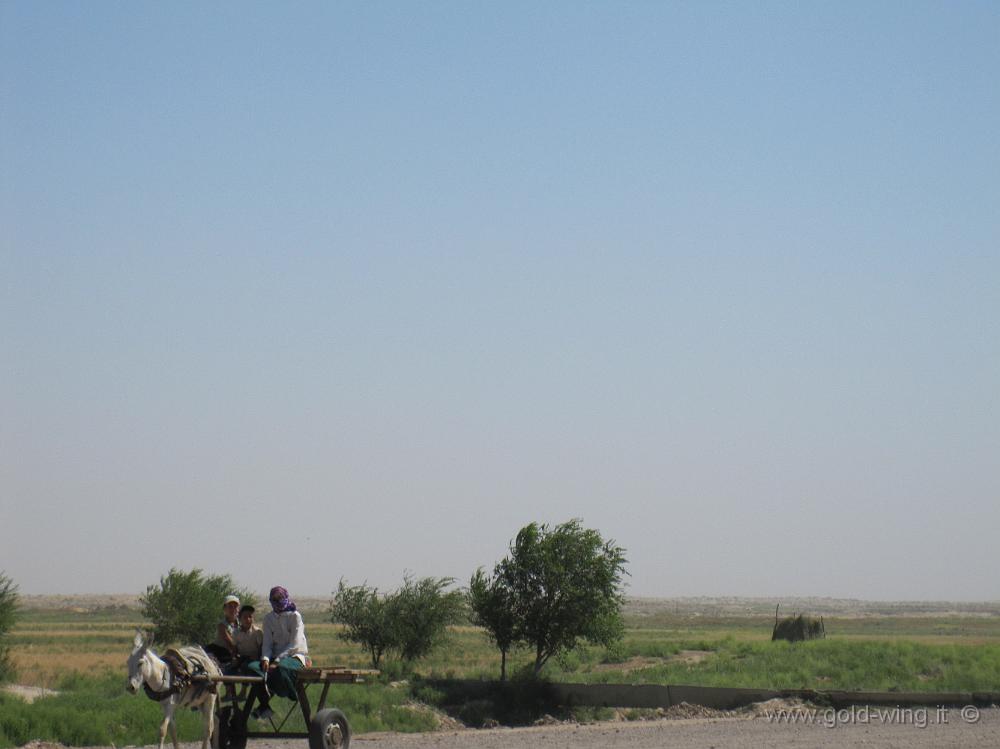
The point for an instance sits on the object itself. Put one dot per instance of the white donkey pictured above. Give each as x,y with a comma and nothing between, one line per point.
151,673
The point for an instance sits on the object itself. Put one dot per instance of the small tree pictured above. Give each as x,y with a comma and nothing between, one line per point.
563,584
422,610
366,619
410,621
8,616
186,606
492,609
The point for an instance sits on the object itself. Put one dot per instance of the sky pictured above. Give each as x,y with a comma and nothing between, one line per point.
306,292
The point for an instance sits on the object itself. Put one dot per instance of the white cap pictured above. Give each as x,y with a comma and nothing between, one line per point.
230,599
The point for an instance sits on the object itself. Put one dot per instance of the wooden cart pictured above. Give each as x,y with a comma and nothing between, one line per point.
327,727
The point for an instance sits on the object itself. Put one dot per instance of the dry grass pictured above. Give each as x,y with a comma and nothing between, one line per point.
38,669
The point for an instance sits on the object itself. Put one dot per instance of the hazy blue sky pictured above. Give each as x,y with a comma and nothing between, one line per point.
347,289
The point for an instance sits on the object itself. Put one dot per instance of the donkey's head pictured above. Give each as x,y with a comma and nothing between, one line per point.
138,663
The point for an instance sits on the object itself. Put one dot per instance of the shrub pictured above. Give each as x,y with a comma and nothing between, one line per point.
186,606
422,610
8,615
410,621
366,619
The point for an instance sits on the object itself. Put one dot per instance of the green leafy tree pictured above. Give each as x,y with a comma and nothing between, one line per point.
422,610
563,585
492,609
410,621
8,616
186,606
366,619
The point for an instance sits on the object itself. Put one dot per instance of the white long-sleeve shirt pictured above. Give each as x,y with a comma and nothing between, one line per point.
284,636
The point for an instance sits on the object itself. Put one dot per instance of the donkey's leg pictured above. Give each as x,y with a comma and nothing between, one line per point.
173,725
208,720
168,716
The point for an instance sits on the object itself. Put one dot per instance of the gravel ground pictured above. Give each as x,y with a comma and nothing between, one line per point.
702,733
696,732
705,733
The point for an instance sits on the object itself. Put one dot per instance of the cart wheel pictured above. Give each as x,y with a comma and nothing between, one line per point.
329,730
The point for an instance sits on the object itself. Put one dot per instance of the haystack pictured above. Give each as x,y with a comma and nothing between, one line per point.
798,628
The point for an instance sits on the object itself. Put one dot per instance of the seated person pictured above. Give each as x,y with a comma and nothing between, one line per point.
283,649
224,647
247,639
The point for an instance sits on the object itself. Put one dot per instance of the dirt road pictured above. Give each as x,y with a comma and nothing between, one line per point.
981,729
956,730
702,733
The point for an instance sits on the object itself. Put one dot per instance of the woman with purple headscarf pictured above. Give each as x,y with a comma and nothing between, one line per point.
284,650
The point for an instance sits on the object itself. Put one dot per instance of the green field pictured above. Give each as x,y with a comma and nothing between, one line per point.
82,653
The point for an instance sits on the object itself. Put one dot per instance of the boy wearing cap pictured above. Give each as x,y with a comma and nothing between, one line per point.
224,647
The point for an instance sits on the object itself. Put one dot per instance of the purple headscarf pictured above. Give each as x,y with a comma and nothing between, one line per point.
280,601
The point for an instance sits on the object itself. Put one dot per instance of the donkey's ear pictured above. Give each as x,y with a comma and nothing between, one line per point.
137,642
